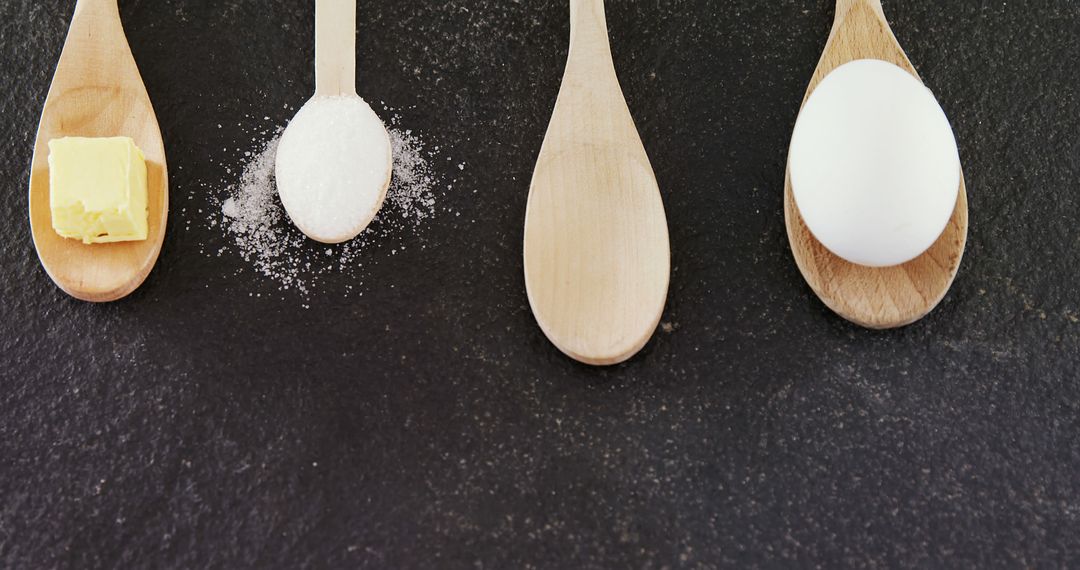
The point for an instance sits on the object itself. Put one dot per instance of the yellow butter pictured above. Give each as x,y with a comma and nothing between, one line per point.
97,189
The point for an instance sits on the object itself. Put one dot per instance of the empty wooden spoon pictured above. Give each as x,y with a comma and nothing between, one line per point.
97,92
597,257
878,298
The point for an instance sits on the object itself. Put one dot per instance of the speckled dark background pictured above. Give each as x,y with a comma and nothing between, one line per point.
429,424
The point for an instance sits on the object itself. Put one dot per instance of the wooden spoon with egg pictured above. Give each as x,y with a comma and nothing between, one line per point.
878,298
97,92
597,257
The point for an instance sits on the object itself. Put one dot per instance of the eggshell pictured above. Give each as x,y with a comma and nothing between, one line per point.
874,165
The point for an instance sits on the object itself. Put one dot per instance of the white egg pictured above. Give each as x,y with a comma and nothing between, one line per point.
874,166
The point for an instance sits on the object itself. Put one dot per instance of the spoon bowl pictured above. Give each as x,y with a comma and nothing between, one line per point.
597,256
97,92
886,297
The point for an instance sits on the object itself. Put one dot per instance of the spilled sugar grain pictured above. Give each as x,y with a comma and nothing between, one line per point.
260,232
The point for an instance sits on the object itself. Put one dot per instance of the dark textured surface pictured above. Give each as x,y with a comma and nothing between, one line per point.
428,423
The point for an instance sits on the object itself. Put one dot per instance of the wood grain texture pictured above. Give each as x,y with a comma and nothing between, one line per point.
97,92
597,255
878,298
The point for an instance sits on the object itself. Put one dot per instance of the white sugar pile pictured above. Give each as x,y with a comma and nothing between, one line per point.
258,229
333,162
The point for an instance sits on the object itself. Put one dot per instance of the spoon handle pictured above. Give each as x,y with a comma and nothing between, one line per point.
845,6
97,8
588,31
95,20
335,47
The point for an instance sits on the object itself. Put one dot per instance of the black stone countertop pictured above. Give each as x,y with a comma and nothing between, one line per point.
210,421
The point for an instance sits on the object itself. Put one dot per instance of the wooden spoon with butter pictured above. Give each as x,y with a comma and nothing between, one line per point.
97,92
597,257
879,298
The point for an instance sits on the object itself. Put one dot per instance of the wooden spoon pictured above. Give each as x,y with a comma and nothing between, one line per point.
878,298
597,257
97,92
335,79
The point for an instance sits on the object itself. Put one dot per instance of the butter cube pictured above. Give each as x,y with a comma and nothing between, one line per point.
97,189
